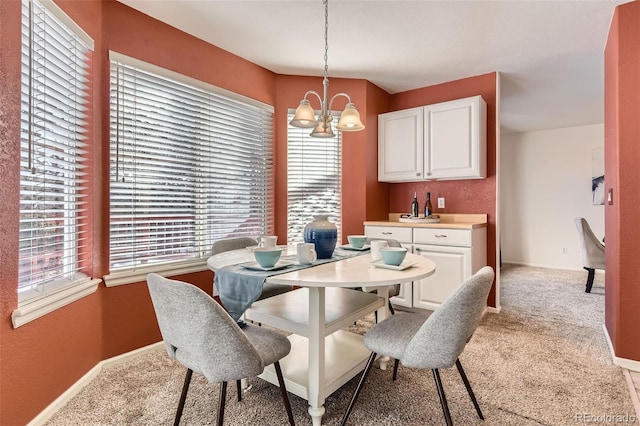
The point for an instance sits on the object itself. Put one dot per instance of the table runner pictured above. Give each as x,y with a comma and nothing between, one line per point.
239,287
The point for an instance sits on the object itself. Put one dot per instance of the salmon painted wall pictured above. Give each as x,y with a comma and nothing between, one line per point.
622,156
378,102
462,196
42,359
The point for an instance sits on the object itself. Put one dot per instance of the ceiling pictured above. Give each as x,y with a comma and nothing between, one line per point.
550,54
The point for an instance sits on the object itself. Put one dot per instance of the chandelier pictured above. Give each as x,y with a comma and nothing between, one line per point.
305,115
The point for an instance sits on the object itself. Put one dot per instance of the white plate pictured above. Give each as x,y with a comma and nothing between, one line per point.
255,266
350,247
404,265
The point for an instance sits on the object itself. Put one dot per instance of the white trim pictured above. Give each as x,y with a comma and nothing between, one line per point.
66,396
34,309
59,13
119,57
494,310
135,275
629,364
635,401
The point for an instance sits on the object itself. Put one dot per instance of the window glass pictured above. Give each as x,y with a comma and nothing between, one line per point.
189,166
313,180
54,139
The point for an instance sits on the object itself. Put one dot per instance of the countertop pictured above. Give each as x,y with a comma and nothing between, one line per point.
447,220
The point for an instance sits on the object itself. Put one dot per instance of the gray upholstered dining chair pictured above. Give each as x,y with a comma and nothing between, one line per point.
434,343
227,244
592,251
200,334
394,290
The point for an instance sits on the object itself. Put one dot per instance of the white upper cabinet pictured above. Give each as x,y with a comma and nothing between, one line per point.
443,141
400,145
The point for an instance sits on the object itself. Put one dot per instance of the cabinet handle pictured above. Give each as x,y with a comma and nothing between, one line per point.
418,173
428,173
387,233
417,249
440,236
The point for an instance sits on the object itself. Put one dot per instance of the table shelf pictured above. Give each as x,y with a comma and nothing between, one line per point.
290,311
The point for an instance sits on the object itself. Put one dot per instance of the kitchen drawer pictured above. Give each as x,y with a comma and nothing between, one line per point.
442,236
403,235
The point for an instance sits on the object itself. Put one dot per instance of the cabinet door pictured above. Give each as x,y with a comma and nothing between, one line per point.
405,296
455,139
453,265
400,145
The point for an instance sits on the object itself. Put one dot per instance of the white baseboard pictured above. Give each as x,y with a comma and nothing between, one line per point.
60,402
633,392
629,364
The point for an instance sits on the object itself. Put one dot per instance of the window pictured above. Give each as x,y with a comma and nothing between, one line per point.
190,164
55,133
313,180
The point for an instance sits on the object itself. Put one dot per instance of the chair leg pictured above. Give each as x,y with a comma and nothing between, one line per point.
183,396
395,368
393,312
283,392
239,389
367,368
221,402
469,390
443,398
590,277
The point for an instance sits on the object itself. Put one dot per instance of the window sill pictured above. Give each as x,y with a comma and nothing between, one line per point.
34,309
135,275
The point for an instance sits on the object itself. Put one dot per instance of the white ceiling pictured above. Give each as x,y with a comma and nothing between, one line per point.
550,53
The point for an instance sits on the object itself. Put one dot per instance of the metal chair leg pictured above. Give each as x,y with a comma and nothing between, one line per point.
469,390
183,396
590,277
367,368
239,389
283,392
443,398
221,402
395,368
393,312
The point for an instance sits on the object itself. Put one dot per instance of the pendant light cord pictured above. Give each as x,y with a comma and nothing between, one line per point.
326,38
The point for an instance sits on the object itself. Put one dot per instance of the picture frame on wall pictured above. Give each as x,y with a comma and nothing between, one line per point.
597,177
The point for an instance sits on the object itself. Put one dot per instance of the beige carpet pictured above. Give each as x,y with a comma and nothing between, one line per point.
542,361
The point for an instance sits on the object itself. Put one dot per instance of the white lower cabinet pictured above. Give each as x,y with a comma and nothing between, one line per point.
458,254
453,265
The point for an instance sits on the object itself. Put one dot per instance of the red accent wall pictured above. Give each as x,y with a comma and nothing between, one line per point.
42,359
622,156
461,196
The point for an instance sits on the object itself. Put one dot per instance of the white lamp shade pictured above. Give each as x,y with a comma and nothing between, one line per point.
304,116
350,119
322,130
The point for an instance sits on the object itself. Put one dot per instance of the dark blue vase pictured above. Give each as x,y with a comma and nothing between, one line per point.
323,234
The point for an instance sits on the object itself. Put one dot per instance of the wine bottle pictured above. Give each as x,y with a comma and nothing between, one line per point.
428,209
414,205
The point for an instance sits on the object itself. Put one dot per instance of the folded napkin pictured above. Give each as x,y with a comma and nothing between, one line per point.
239,287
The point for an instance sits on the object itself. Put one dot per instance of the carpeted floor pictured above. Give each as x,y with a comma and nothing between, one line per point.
542,361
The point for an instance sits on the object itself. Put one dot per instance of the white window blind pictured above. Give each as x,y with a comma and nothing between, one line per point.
189,166
55,114
313,180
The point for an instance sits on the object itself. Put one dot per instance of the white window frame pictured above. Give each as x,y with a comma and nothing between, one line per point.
205,225
45,29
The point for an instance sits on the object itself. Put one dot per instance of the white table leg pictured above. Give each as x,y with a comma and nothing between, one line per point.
383,313
316,354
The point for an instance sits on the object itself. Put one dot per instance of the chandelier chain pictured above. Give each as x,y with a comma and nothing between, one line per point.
326,38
